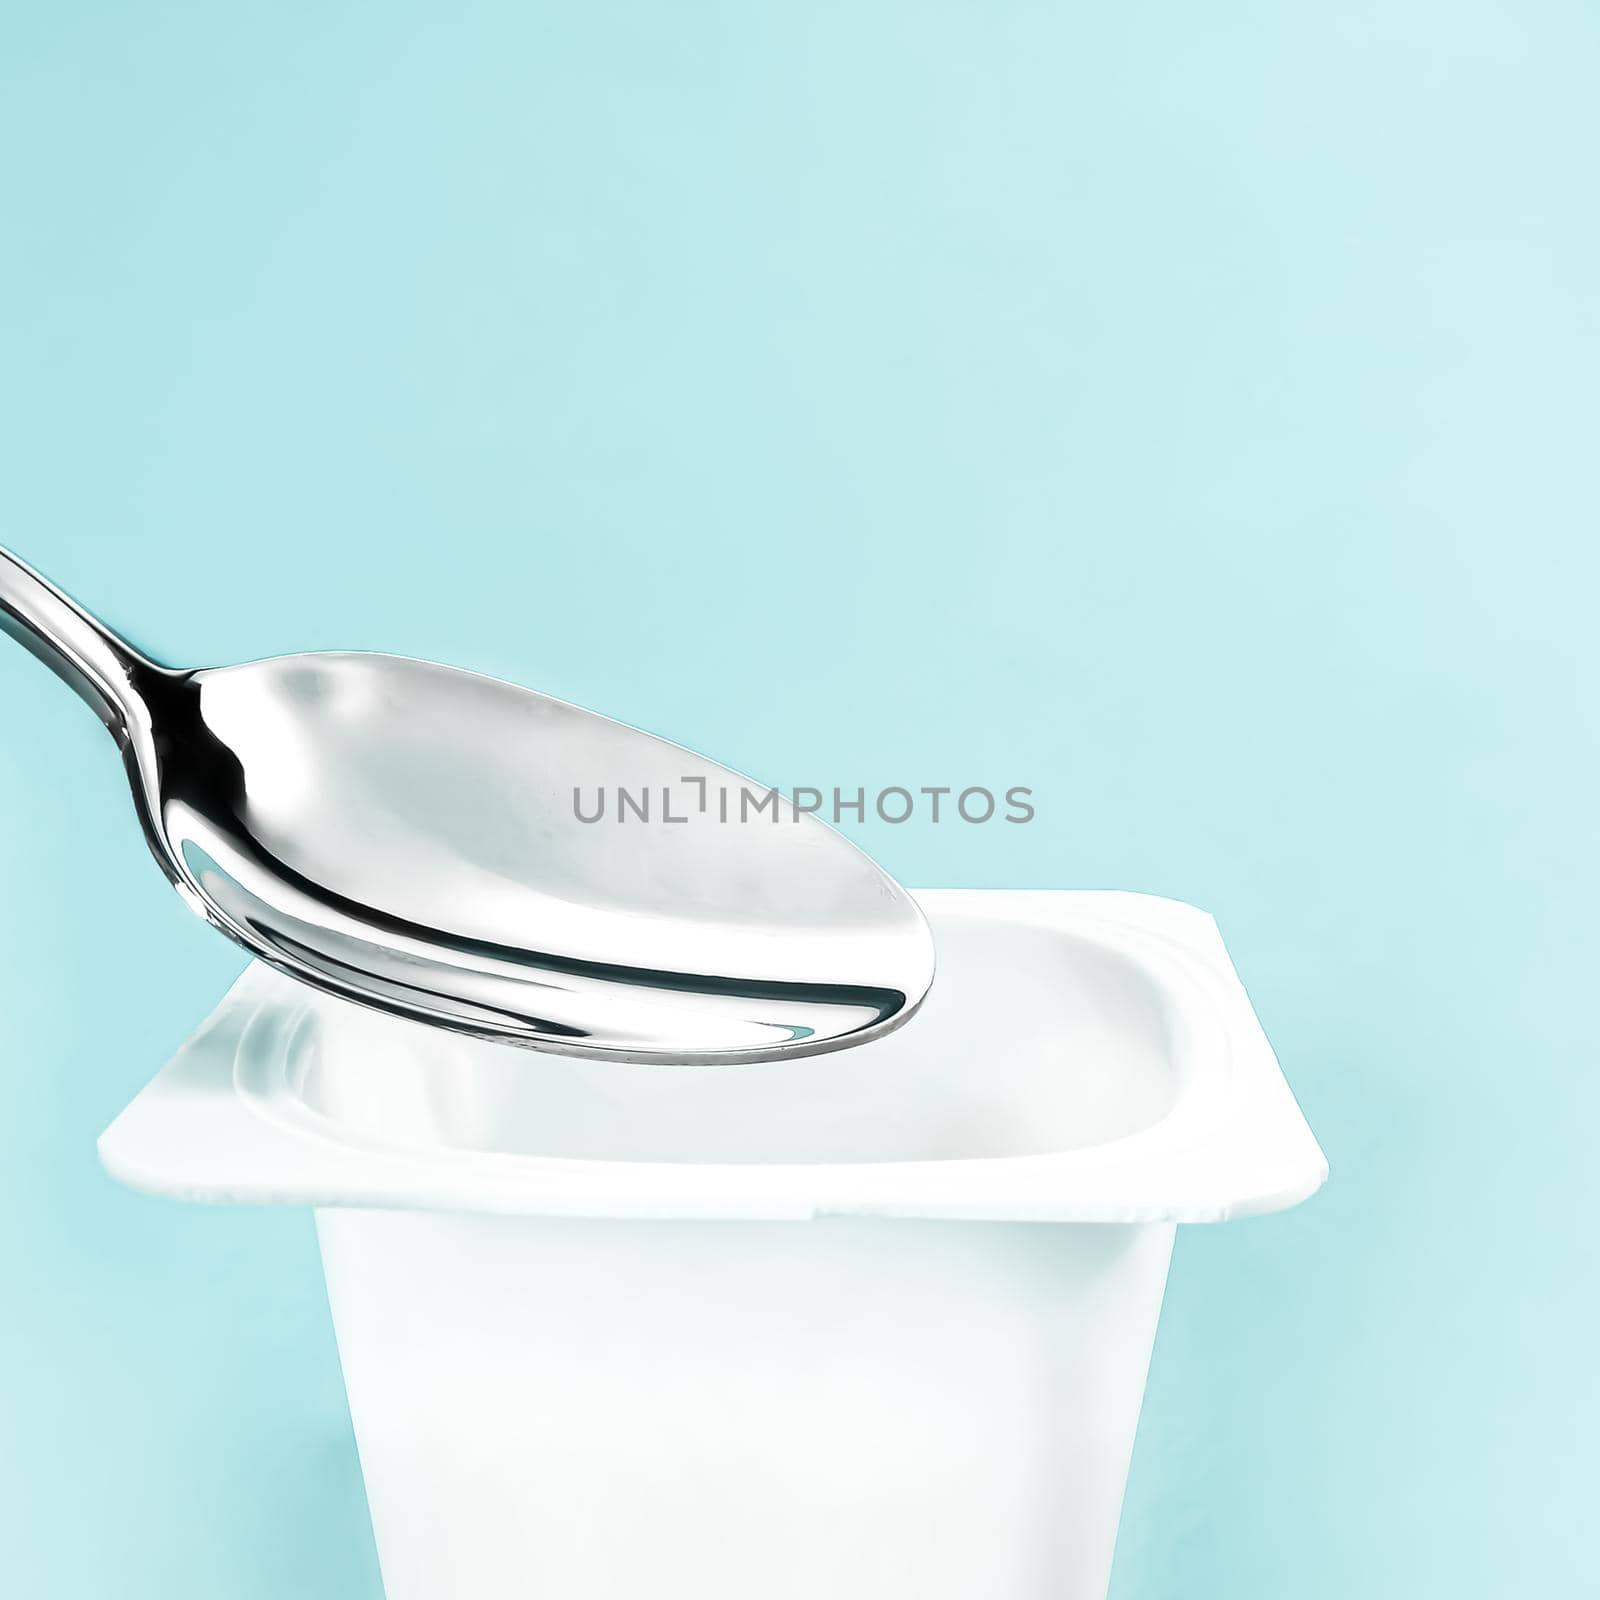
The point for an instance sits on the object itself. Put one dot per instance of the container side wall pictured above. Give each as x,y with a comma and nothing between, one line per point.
864,1409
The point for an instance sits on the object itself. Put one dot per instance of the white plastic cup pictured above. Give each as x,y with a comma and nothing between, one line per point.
867,1326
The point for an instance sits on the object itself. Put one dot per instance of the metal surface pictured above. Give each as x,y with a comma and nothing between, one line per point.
405,835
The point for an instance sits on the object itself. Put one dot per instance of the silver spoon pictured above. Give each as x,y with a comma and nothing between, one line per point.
410,836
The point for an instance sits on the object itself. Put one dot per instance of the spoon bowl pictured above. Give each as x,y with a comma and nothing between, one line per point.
472,854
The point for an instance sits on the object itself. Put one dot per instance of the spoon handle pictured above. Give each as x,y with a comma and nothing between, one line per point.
81,651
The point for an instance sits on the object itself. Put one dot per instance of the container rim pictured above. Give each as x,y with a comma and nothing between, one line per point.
222,1122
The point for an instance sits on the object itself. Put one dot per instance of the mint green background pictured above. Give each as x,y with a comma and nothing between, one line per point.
1186,410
